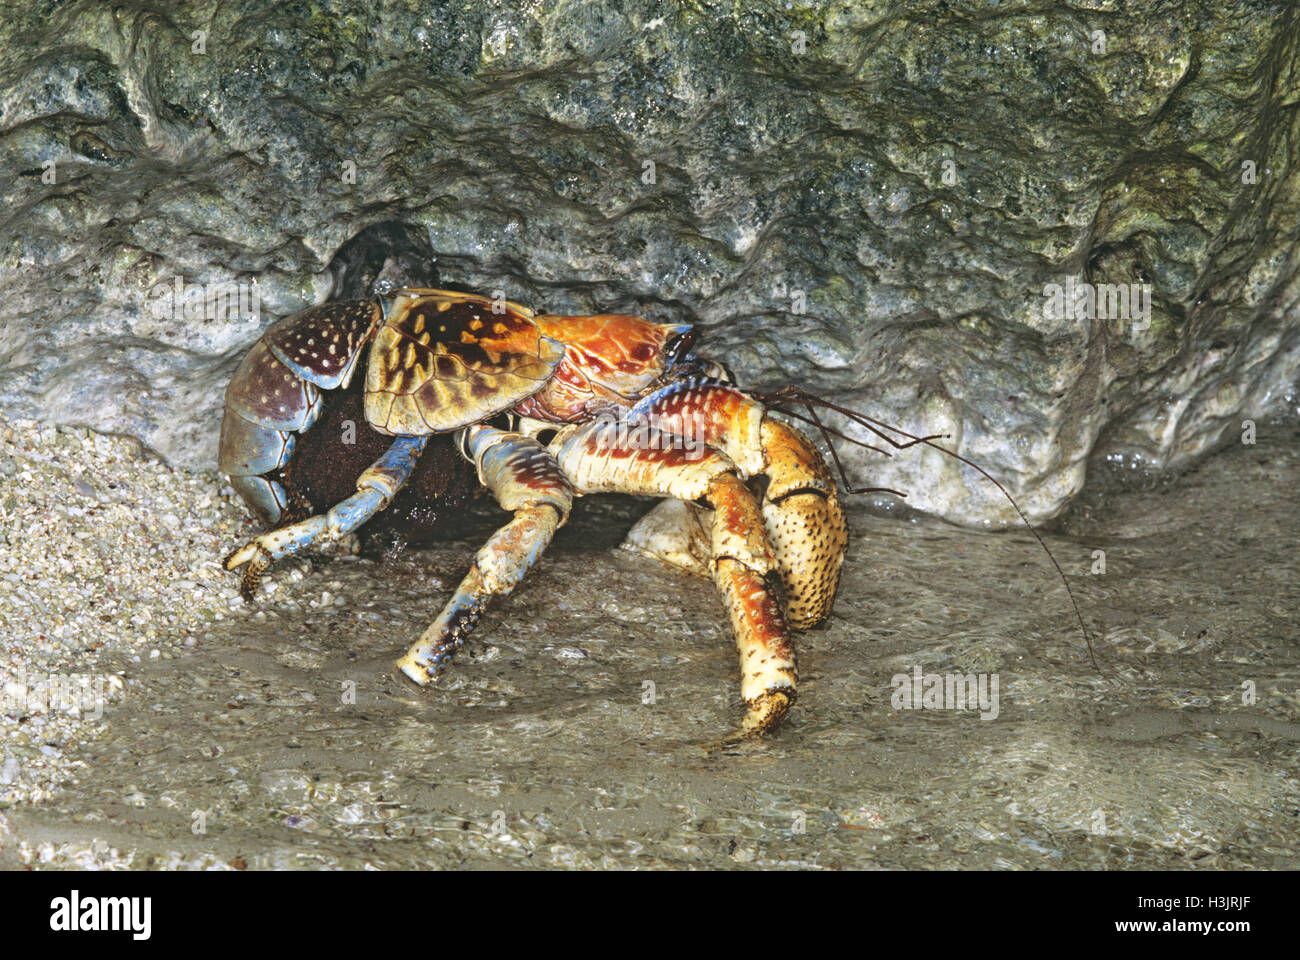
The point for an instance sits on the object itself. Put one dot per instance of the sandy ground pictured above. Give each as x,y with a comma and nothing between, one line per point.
151,719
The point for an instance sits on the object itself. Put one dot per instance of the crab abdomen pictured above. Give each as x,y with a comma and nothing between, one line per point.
329,457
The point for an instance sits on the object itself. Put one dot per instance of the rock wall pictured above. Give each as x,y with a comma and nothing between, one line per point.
873,200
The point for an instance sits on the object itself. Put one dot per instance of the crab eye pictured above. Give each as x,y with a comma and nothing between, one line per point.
680,345
717,371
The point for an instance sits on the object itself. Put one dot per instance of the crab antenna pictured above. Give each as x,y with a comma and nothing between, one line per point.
844,477
796,395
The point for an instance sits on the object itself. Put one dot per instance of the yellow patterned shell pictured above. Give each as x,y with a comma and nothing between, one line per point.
443,360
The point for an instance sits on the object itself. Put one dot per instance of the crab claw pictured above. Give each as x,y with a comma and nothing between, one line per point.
774,556
804,523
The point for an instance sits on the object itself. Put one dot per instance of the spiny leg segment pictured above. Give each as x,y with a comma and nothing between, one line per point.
525,479
376,487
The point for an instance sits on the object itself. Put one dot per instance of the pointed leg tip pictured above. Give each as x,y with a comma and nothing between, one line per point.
243,554
414,670
764,713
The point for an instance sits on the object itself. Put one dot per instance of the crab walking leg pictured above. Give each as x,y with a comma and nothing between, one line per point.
526,480
376,487
599,457
745,572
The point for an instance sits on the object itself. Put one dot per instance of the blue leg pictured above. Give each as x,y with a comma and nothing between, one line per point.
376,487
525,479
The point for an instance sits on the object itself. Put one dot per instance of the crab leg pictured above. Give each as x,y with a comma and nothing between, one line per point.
598,459
376,487
801,512
526,480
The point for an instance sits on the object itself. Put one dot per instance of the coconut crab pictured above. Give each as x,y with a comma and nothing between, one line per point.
631,409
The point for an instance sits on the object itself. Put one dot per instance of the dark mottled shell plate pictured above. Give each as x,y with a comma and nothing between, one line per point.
321,344
266,392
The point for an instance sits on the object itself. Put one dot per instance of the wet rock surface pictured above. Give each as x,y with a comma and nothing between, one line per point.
280,735
869,200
